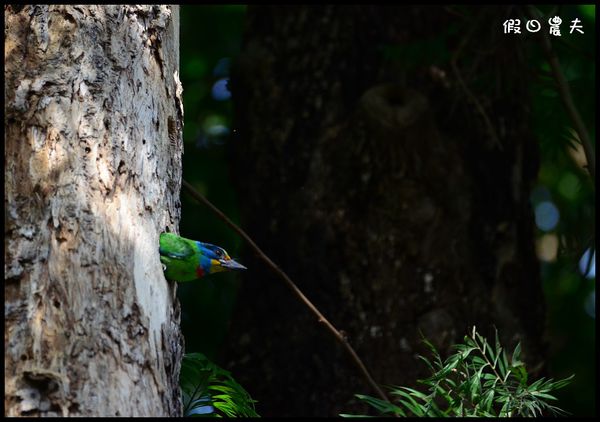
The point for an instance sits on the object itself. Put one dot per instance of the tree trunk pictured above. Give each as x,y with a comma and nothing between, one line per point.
93,172
391,185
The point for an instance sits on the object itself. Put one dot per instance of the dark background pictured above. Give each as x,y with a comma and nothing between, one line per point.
562,198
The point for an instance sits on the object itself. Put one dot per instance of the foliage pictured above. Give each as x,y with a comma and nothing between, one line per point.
209,390
564,182
478,380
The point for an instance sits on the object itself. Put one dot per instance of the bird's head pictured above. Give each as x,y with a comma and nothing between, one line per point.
216,259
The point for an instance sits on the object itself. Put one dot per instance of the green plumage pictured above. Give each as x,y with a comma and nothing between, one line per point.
180,256
185,260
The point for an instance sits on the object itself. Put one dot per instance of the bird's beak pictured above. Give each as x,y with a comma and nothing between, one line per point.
230,264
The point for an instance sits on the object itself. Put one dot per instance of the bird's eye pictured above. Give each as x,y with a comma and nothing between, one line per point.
220,253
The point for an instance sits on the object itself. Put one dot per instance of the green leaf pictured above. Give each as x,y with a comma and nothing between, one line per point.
474,388
503,369
466,352
470,384
381,405
199,377
416,393
348,415
411,404
515,360
562,383
429,365
520,374
479,362
544,395
488,401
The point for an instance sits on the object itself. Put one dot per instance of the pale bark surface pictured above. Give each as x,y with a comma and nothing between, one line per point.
93,170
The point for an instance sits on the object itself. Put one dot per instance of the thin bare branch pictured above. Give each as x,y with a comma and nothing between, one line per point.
567,98
474,100
275,268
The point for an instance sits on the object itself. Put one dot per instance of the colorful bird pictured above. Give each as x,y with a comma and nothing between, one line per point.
185,260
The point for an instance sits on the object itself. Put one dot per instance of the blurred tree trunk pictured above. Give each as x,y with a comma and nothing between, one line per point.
390,184
92,168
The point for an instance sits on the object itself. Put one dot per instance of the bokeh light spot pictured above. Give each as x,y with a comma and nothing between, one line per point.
195,68
587,268
547,247
568,186
546,215
220,91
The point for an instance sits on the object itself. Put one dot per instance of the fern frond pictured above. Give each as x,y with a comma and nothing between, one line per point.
209,390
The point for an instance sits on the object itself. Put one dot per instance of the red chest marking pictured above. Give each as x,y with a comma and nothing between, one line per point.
199,271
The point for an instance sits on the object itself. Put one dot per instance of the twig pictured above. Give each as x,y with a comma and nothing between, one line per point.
339,336
478,106
480,109
567,99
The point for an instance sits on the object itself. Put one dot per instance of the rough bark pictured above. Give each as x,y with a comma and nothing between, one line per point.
394,191
93,171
